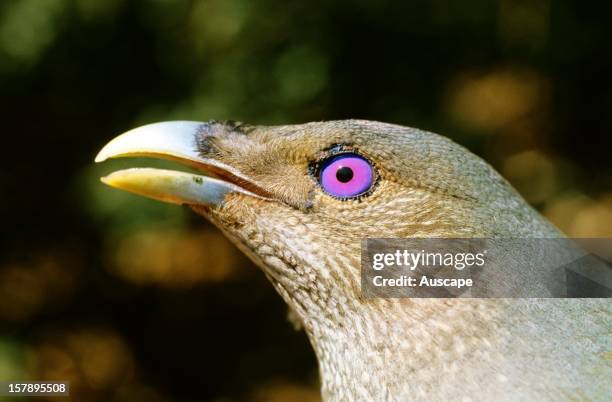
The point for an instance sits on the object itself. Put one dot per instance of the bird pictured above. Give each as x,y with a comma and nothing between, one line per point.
299,199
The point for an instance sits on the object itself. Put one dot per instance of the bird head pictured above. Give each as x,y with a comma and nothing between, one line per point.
299,199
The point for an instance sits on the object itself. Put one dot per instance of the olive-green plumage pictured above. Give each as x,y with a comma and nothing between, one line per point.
308,244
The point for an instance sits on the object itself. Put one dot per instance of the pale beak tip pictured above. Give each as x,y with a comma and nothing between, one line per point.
120,178
109,181
102,155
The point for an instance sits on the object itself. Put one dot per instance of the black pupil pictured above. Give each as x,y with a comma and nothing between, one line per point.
344,174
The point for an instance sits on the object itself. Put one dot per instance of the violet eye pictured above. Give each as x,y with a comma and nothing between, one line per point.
346,175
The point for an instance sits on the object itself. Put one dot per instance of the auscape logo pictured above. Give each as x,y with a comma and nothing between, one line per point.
404,281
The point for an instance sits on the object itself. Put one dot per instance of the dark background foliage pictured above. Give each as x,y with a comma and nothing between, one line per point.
132,300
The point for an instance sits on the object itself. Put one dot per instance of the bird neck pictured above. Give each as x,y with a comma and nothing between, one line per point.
367,347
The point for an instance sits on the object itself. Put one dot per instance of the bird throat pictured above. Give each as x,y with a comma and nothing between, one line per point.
363,344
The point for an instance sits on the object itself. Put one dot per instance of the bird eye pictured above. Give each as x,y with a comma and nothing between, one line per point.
346,175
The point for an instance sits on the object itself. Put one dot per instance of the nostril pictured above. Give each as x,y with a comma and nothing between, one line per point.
205,144
207,135
212,131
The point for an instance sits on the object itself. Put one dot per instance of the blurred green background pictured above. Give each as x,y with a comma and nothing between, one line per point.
132,300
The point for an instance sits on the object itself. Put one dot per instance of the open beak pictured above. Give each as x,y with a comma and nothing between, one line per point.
176,141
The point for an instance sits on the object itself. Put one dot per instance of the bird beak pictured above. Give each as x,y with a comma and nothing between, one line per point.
176,141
